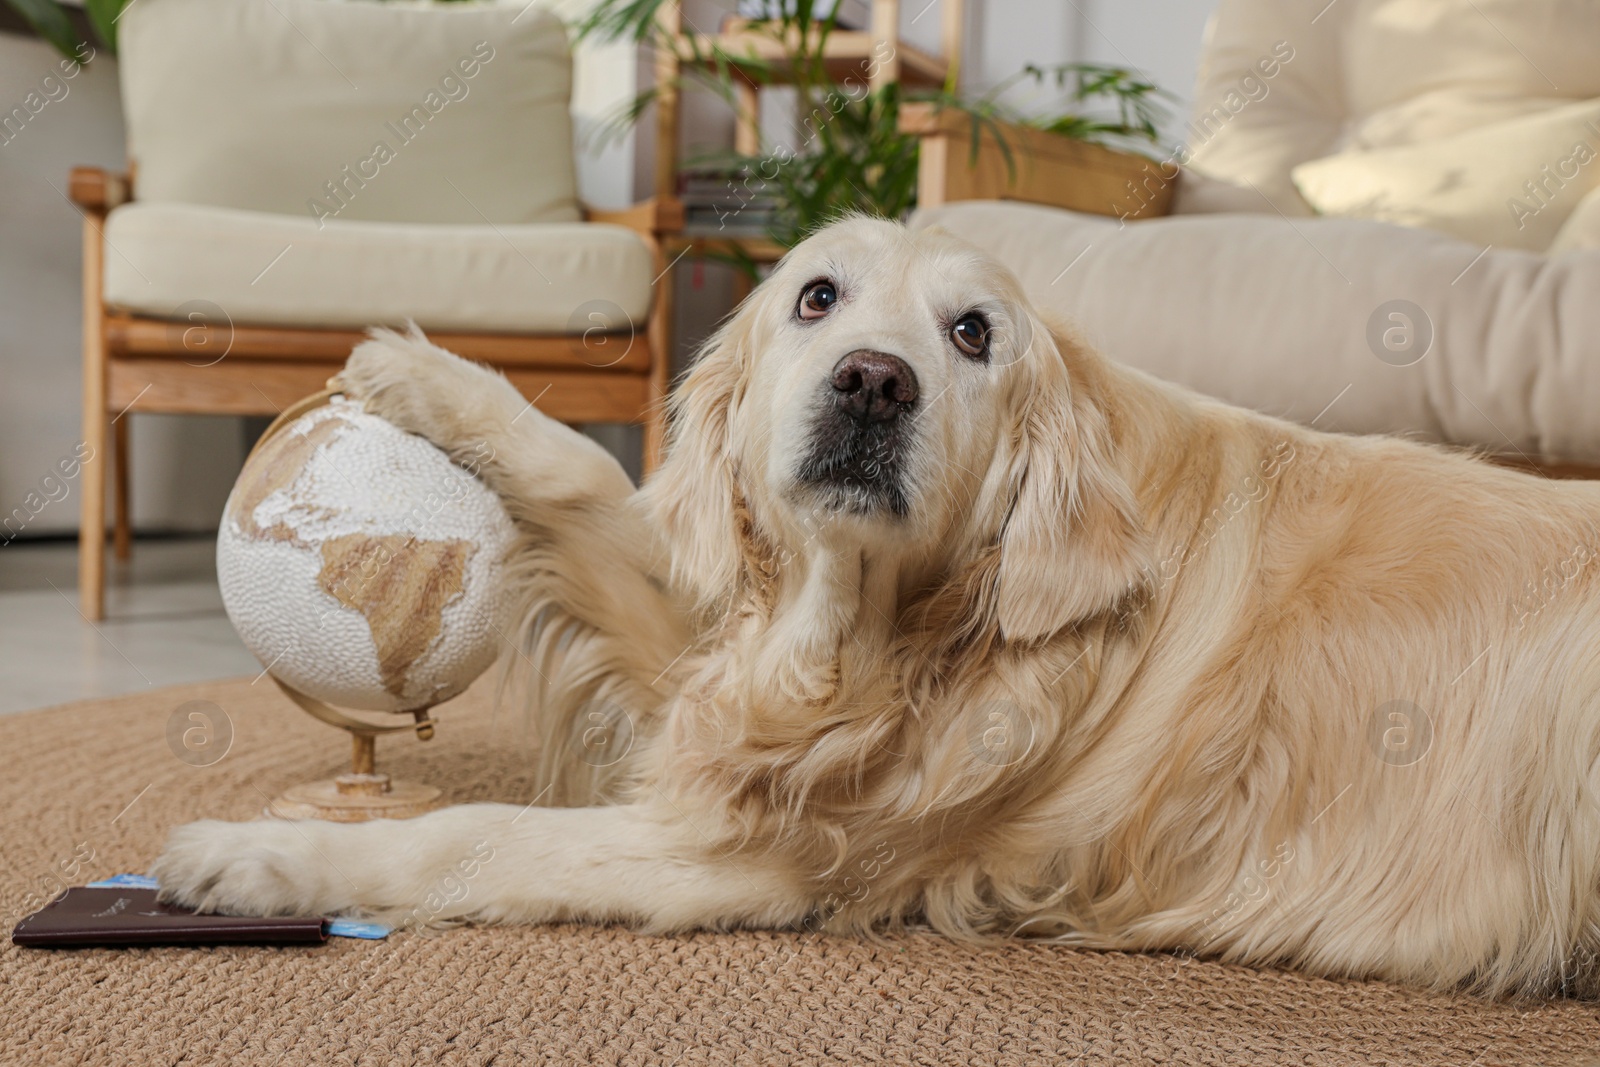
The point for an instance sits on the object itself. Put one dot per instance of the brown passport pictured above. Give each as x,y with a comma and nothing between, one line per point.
85,916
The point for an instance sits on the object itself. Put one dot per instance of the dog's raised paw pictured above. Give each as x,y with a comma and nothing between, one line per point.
395,377
420,387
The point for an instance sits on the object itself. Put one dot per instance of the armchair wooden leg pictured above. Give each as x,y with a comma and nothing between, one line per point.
92,478
122,531
92,522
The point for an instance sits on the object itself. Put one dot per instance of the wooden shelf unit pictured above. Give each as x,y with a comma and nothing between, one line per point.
845,54
877,55
1032,166
760,249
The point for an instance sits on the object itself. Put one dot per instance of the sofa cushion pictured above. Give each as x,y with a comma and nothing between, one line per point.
1418,70
262,268
354,109
1249,129
1582,228
1346,324
1367,74
1510,184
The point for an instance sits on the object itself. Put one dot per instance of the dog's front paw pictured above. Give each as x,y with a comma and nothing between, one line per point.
421,388
267,867
398,377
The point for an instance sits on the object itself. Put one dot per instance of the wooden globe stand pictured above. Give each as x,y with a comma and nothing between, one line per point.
364,793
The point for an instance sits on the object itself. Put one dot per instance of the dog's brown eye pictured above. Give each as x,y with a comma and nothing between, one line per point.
818,299
971,335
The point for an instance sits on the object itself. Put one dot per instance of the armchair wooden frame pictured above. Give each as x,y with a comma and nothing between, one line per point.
135,363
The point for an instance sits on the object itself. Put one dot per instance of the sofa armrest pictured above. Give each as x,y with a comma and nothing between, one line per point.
651,217
97,190
1043,168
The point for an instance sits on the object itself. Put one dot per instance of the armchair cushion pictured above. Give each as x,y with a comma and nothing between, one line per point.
351,109
268,269
1302,318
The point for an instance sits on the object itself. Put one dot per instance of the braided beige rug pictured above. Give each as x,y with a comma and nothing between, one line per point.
90,790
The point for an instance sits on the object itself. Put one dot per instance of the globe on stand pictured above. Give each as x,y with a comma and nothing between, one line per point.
363,568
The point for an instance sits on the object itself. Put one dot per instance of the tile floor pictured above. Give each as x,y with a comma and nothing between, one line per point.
164,624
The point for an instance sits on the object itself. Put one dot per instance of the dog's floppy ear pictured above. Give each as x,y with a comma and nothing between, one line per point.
692,497
1073,544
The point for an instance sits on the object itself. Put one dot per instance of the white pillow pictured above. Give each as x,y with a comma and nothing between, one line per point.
1511,185
1262,103
1369,74
1418,70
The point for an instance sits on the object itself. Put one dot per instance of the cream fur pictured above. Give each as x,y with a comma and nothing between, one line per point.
1124,675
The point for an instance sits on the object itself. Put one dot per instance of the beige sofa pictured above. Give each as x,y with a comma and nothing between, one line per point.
1416,303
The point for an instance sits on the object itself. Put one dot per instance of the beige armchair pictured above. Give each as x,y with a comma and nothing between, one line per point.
300,170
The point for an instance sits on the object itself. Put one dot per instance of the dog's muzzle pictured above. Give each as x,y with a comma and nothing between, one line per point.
858,440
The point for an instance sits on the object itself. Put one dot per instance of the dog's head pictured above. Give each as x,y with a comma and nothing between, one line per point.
893,394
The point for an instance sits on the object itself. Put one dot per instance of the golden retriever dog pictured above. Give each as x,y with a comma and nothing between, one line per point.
932,615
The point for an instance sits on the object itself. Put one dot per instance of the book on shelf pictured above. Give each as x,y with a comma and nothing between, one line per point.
725,202
712,223
853,14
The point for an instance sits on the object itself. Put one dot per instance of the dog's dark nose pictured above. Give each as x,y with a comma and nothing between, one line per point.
873,386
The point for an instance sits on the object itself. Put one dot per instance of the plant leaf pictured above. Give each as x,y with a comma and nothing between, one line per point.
49,21
103,15
613,19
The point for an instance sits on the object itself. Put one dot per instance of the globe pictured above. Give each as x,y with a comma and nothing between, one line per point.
361,565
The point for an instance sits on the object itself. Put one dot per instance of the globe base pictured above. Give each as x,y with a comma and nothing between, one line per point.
355,798
364,793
